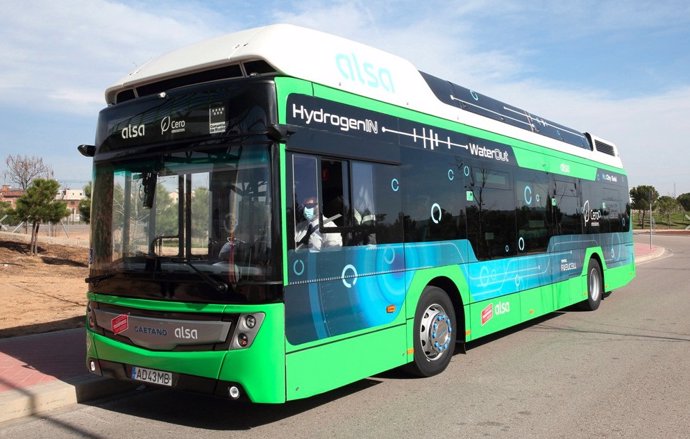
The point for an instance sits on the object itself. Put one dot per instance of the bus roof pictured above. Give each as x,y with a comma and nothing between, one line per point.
356,68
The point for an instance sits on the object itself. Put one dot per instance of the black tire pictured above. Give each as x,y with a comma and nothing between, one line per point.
434,333
595,287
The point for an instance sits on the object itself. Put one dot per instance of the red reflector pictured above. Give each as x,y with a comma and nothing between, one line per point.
243,340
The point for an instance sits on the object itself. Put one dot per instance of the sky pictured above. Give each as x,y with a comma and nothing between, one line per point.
619,69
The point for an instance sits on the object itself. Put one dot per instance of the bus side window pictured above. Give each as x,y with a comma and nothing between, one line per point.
532,194
566,208
304,189
434,196
358,202
335,195
363,205
491,214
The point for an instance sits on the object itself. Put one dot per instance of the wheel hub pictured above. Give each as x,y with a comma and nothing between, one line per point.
594,285
435,332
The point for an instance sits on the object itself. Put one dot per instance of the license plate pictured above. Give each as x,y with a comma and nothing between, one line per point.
152,376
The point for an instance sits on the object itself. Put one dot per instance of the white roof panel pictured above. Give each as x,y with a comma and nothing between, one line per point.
331,61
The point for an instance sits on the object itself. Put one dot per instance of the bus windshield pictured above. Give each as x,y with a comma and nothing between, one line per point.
190,225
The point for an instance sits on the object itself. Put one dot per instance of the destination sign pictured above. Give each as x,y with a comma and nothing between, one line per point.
187,113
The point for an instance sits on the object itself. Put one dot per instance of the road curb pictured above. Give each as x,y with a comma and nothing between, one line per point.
42,398
654,254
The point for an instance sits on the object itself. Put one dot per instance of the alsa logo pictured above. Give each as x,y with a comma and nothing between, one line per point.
492,310
186,333
365,72
132,131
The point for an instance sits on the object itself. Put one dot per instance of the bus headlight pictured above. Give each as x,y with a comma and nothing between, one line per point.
248,326
90,317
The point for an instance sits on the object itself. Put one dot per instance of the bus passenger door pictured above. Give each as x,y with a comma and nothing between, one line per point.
568,244
535,278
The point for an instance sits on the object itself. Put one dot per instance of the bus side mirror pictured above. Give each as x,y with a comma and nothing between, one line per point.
278,132
87,150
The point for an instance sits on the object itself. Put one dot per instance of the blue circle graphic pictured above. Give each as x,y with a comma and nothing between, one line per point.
385,255
294,267
436,207
343,277
528,195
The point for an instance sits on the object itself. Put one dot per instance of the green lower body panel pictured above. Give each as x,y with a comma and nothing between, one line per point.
618,277
489,316
202,364
329,366
267,373
569,292
536,302
259,369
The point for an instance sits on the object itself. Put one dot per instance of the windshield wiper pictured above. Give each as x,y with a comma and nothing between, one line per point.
219,286
96,279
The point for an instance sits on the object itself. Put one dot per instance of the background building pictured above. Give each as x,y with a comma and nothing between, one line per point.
71,197
10,195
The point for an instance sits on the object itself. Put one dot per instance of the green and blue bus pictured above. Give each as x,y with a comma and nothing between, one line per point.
280,212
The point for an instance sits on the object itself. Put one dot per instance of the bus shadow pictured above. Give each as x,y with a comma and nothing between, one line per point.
211,413
512,330
400,372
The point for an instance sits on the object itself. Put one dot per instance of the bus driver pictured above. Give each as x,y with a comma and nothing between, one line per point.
307,233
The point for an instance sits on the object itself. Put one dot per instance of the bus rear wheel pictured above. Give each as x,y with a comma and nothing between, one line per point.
434,333
595,286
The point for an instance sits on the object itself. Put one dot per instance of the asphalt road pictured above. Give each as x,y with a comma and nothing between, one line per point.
622,371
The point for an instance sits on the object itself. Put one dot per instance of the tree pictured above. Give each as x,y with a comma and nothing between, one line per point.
166,212
38,205
684,200
200,202
21,170
5,217
642,198
85,205
666,206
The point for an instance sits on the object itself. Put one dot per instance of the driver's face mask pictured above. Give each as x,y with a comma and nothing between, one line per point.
309,213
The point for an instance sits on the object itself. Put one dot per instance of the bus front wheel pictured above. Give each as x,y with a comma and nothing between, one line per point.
434,333
595,286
